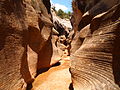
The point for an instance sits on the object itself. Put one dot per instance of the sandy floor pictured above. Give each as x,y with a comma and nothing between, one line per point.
56,78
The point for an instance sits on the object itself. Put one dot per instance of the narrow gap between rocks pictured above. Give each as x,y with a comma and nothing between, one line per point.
58,73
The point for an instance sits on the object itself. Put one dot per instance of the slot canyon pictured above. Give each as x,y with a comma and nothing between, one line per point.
41,51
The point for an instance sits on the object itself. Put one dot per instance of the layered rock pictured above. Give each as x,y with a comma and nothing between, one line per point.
95,56
62,28
25,41
90,9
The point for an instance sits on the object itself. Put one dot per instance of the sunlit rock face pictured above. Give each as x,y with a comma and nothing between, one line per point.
62,27
96,47
25,41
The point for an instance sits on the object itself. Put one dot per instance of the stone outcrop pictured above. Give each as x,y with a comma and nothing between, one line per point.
95,51
62,27
25,41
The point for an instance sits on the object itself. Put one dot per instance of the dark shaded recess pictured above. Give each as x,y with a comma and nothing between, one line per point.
56,64
102,8
66,34
34,33
95,23
41,24
81,39
71,84
60,29
87,19
47,5
29,86
116,58
90,5
96,1
65,43
71,87
2,37
72,20
84,6
81,5
116,51
40,71
116,15
84,21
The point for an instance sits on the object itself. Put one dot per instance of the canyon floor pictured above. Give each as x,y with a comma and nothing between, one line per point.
55,78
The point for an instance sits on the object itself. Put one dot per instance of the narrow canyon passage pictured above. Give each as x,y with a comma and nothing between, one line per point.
44,46
56,76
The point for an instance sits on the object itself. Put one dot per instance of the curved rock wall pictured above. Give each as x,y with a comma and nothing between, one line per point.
25,32
95,56
25,43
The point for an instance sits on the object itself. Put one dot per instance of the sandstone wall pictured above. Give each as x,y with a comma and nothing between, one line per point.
25,41
95,47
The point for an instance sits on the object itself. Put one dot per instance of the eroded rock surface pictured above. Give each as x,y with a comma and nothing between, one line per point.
96,47
62,27
25,41
12,45
28,43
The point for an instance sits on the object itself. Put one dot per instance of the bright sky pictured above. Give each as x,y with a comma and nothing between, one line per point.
65,5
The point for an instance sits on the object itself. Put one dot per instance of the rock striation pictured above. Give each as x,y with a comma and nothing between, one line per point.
95,52
29,45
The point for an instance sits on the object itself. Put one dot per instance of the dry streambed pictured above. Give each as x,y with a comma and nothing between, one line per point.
56,78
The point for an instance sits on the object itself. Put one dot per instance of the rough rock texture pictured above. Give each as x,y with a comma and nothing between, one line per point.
40,31
95,61
12,45
25,41
62,28
88,9
77,15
